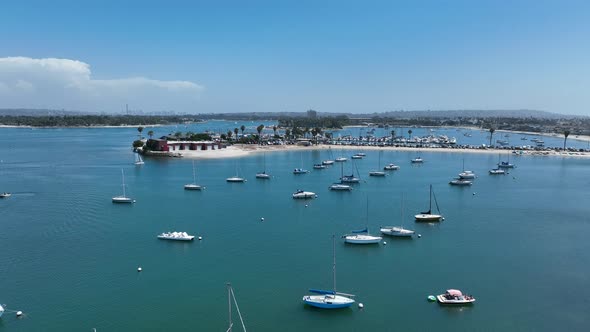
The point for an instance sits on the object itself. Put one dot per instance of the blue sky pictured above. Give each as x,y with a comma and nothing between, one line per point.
331,56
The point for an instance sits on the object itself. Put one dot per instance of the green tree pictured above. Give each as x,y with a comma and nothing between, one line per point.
177,134
410,133
492,130
392,136
229,133
274,129
150,133
287,133
566,133
236,132
139,129
259,130
242,128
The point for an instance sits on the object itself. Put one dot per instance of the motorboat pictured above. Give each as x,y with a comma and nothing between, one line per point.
5,195
396,231
455,297
417,160
461,182
176,236
123,198
356,156
300,171
340,186
341,159
467,175
391,167
1,310
362,154
497,171
329,299
428,216
327,162
319,166
262,175
304,194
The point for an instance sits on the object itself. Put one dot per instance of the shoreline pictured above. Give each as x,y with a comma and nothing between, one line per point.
243,150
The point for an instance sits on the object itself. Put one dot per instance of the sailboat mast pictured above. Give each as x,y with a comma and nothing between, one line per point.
229,306
123,180
194,176
430,202
334,258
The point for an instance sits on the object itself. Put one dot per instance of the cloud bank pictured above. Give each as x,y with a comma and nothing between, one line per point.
68,84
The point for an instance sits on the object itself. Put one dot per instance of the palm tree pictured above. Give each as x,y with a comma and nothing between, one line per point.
305,132
242,128
140,129
287,133
150,133
392,136
566,133
229,133
491,134
236,131
259,130
274,129
410,133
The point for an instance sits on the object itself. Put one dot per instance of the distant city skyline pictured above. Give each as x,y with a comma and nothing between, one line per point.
272,56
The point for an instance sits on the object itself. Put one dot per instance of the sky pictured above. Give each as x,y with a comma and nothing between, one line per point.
273,56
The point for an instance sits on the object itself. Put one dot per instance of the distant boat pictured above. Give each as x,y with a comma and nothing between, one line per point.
5,195
417,160
460,182
350,178
362,236
428,216
300,170
391,167
194,185
231,296
329,299
356,156
524,138
301,194
466,174
398,231
502,142
378,172
328,162
340,187
319,166
341,159
236,178
1,310
176,236
455,297
123,198
138,159
263,174
505,164
497,171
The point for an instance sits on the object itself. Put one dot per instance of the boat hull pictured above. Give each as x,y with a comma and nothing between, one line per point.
304,195
5,195
262,176
328,301
441,299
122,200
397,232
362,239
340,187
235,179
377,173
428,217
190,238
192,187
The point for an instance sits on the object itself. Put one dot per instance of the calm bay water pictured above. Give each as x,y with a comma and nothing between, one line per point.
69,256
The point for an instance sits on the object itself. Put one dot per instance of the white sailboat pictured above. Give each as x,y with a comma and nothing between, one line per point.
468,175
391,167
339,186
398,231
362,236
300,170
123,198
428,215
302,194
506,164
329,299
236,178
138,159
263,174
350,178
231,296
328,162
377,172
194,185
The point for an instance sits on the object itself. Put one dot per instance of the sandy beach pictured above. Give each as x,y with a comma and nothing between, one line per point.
241,150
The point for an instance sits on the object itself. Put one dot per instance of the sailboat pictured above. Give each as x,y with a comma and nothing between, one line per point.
328,162
362,236
428,216
194,185
329,299
123,198
341,158
138,159
263,174
506,164
466,174
300,170
236,178
232,296
339,185
350,178
395,230
378,172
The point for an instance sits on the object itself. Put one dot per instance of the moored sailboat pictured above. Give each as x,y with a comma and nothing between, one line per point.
428,215
123,198
194,185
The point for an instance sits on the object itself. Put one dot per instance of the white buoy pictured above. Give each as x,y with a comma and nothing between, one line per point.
305,205
419,235
361,305
384,242
262,219
19,313
473,194
200,238
139,269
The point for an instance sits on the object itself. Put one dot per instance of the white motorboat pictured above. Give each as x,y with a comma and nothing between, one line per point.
396,231
467,175
301,194
356,156
391,167
497,171
319,166
300,171
340,186
417,160
1,310
138,159
428,216
5,195
176,236
341,159
460,182
329,299
327,162
455,297
194,185
362,154
123,198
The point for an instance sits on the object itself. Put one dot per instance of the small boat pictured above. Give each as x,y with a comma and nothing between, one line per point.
138,159
1,310
467,175
340,187
194,185
123,198
356,156
497,171
502,142
524,138
505,164
362,236
329,299
460,182
176,236
391,167
300,194
428,216
319,166
378,172
341,159
398,231
300,171
417,160
235,179
455,297
362,154
350,179
5,195
327,162
263,174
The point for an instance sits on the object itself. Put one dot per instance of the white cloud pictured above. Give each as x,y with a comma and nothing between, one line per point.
64,83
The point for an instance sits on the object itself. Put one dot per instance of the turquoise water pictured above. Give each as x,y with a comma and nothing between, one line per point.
69,256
